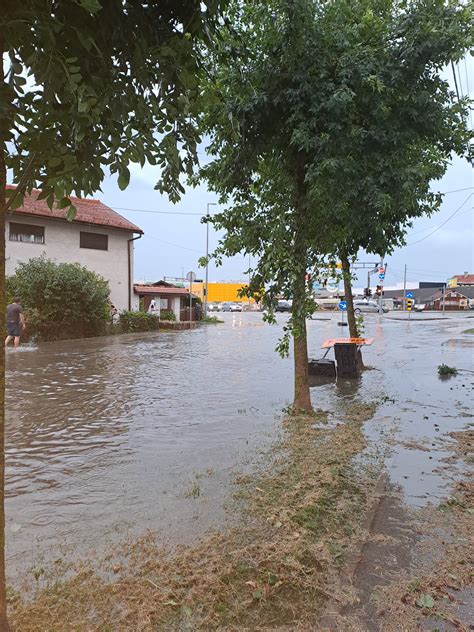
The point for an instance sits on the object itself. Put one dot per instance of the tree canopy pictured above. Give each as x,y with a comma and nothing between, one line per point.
97,84
328,121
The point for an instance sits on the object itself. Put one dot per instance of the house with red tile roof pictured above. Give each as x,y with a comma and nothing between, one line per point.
98,238
167,297
461,280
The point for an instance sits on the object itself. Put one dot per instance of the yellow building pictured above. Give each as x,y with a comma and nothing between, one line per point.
221,292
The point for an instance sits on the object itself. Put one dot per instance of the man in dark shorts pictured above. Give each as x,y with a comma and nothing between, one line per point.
15,322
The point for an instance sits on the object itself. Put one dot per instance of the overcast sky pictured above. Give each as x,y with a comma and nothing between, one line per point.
438,247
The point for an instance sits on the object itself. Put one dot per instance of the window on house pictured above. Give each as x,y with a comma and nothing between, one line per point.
27,232
95,241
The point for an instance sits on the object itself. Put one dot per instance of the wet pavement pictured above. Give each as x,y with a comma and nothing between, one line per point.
108,437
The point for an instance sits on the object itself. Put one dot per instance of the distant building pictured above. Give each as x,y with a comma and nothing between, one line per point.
167,297
461,280
423,285
222,292
98,238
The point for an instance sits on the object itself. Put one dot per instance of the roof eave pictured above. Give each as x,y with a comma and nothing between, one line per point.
76,221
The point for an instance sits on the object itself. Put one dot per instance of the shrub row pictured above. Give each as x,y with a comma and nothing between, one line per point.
138,321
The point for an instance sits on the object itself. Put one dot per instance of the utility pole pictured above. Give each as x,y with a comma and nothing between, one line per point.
405,289
381,281
206,286
249,280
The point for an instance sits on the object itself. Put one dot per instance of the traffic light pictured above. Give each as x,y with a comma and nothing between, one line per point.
378,291
410,302
369,292
366,292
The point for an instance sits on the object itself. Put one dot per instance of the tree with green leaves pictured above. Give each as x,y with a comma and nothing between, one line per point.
327,122
398,123
88,87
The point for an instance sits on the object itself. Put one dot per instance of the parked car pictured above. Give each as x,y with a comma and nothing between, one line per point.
226,307
419,307
283,306
368,307
213,307
236,307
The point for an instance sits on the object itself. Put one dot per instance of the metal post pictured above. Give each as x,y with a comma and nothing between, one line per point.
206,285
190,301
249,280
384,265
444,302
405,289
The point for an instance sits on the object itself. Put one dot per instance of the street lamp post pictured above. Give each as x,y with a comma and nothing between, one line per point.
206,286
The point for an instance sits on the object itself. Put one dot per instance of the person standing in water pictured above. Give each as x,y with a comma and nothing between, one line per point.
15,322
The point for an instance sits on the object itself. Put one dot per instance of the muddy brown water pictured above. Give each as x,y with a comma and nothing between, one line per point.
109,437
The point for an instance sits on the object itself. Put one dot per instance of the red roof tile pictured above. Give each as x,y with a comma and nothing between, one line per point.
464,278
159,290
88,212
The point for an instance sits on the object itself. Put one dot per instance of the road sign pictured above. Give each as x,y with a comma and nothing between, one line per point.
409,304
382,276
342,306
409,294
381,269
191,277
332,285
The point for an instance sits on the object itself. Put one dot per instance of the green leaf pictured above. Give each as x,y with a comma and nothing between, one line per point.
124,178
71,213
90,5
63,202
425,601
272,579
258,594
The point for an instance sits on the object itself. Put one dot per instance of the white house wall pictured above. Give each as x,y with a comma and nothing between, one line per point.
62,245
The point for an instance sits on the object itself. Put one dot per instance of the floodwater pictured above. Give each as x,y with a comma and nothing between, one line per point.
109,437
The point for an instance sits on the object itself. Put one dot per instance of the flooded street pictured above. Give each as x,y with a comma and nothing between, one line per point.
109,437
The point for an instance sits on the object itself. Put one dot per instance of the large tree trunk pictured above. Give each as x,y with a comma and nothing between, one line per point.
302,400
3,181
346,273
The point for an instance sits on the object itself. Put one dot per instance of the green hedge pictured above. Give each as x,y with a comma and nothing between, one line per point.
167,314
61,300
138,321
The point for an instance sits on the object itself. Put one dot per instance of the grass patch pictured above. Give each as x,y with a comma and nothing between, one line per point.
433,586
468,331
445,371
211,320
300,518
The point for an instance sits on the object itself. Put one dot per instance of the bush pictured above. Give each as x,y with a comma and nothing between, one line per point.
60,299
444,370
138,321
167,314
211,320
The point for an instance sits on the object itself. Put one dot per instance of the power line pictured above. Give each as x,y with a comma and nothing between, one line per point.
423,230
468,91
144,210
441,225
456,190
174,245
455,81
187,213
